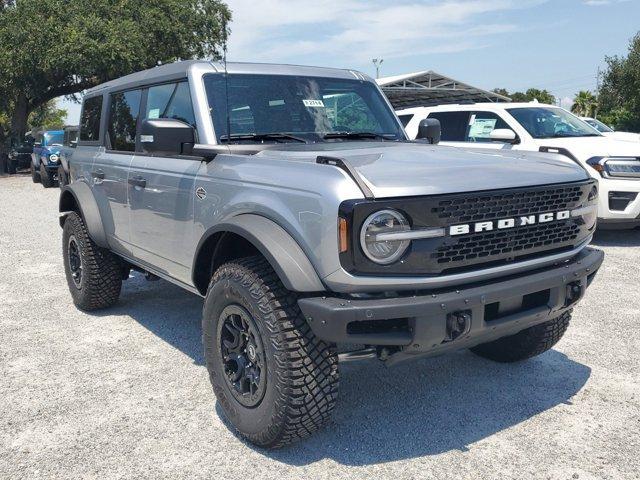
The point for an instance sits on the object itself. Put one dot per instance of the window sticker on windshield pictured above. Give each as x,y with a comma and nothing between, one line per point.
313,103
275,103
154,113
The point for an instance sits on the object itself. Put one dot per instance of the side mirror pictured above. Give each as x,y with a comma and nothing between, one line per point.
167,136
73,144
503,135
429,129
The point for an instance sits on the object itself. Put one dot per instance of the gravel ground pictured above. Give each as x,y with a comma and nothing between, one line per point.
124,393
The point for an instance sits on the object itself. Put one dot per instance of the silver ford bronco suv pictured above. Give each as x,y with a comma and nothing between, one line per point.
291,199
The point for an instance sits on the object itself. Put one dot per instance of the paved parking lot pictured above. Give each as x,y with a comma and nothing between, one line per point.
124,393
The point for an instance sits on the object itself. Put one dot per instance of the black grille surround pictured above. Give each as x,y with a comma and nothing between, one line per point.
473,251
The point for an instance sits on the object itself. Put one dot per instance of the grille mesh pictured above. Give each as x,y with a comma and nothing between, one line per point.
506,205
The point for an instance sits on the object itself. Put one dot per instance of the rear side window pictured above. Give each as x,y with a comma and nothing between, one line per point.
454,125
405,119
123,120
172,100
90,119
481,124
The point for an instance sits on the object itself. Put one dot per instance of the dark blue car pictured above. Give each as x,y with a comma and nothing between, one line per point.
45,159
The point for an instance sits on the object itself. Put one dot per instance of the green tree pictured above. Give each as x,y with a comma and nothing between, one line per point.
53,48
542,96
619,93
585,104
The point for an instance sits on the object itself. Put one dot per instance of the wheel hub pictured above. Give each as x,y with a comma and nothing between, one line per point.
75,261
242,355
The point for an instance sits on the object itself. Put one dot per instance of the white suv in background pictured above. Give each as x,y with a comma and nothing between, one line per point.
607,131
538,127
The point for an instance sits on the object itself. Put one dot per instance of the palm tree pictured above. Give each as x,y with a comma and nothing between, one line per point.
584,104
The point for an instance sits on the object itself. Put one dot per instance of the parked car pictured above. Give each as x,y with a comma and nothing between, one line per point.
538,127
607,131
45,158
291,199
20,154
69,143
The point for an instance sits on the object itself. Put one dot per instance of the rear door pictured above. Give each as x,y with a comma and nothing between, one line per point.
162,190
111,167
471,129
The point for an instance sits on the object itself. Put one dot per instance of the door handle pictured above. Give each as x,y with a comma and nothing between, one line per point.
138,182
98,174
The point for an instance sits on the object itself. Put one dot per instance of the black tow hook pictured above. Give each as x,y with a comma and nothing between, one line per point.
458,324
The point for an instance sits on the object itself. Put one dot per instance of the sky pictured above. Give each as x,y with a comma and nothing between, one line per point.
514,44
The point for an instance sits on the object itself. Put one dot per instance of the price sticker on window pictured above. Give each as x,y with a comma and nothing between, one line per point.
313,103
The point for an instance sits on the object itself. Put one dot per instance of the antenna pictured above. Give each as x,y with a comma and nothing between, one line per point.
226,75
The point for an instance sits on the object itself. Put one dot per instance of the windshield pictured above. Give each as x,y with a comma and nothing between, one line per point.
598,125
283,108
53,138
547,122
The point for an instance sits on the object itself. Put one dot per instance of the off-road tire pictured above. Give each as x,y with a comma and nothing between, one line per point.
62,177
301,370
12,167
101,279
525,344
45,178
35,175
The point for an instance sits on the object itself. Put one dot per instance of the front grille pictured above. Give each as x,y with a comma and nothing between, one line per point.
504,205
467,252
517,241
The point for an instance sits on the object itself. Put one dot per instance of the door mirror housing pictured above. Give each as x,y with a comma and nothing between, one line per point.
503,135
167,136
429,129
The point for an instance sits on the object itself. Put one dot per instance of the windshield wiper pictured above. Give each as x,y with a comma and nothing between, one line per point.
360,135
261,136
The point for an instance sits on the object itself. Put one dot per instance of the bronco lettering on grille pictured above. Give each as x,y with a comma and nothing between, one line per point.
506,223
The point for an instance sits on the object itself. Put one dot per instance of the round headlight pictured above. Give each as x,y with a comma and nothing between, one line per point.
53,157
373,233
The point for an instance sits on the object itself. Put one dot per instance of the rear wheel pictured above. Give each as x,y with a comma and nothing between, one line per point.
35,175
525,344
45,177
94,274
275,381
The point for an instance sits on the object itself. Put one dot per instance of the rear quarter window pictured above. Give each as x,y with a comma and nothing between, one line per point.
90,119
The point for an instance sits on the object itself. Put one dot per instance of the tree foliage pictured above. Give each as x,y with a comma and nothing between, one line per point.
585,104
51,48
532,94
619,94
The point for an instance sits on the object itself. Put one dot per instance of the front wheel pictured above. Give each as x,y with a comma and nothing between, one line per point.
45,177
62,177
274,380
94,274
35,175
525,344
12,166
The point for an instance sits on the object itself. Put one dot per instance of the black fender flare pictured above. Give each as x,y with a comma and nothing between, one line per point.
77,196
281,251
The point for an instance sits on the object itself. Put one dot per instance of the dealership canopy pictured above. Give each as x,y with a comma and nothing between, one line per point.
431,88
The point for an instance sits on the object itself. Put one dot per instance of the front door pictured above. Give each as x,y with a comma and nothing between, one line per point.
162,191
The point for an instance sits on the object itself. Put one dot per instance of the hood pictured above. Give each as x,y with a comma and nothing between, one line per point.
585,148
626,136
52,149
409,169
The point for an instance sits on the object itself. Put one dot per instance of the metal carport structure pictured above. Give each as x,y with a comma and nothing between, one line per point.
422,89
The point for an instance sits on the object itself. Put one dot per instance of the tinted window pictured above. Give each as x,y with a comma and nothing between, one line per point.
481,124
454,125
90,119
171,101
123,120
53,138
405,119
307,107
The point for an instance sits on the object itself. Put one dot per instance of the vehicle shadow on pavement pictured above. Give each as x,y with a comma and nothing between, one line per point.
616,238
425,407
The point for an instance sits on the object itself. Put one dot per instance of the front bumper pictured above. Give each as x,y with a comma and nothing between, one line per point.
420,324
613,210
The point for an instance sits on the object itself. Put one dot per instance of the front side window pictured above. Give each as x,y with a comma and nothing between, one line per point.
298,108
453,124
70,137
123,120
598,125
90,119
171,100
547,122
481,124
